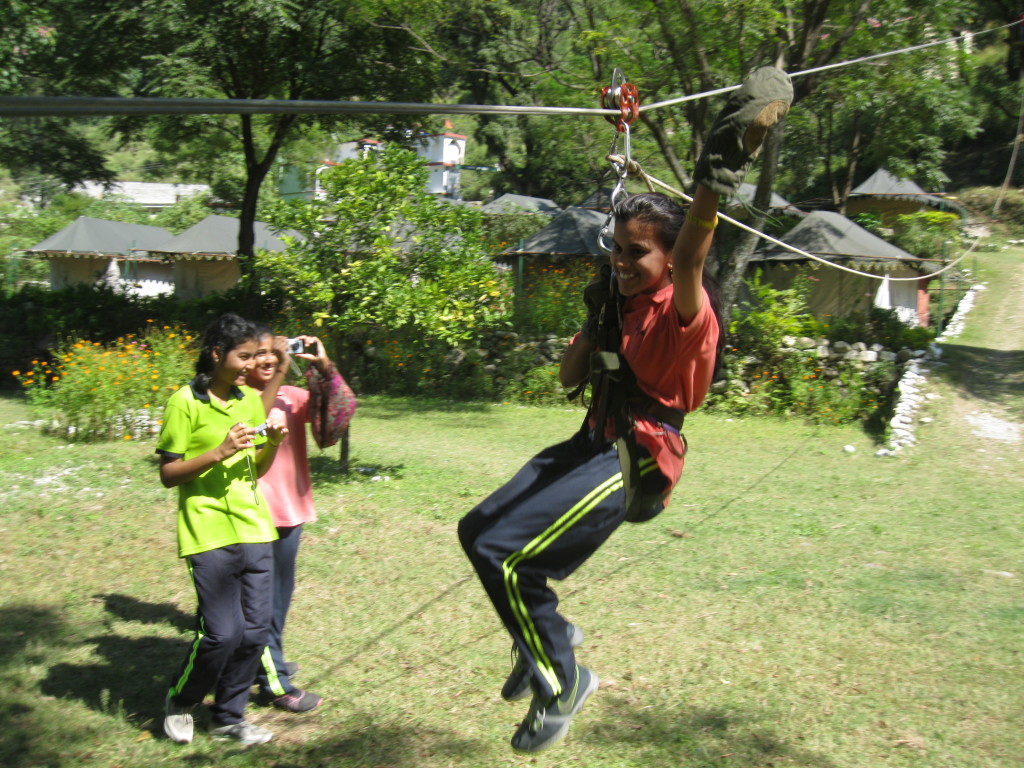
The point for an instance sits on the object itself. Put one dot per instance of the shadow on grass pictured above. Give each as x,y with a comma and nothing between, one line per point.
988,374
132,678
360,742
324,470
128,608
709,738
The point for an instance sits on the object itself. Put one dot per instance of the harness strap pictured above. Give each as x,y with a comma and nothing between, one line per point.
617,395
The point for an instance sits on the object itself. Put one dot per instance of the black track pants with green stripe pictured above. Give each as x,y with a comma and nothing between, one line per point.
543,524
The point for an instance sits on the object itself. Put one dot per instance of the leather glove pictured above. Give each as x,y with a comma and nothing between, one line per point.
595,296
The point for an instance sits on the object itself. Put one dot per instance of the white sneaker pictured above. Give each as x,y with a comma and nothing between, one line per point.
244,732
178,721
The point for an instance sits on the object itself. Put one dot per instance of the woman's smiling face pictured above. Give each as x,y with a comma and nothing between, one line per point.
640,261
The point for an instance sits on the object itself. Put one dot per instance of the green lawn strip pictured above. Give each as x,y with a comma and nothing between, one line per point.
797,604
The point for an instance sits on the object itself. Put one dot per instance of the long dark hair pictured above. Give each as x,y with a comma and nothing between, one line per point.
223,334
667,217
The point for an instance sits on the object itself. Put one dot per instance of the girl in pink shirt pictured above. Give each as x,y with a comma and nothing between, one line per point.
287,486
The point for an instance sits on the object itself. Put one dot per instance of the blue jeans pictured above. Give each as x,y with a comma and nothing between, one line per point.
273,679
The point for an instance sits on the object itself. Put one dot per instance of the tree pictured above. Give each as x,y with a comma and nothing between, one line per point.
253,49
40,149
378,251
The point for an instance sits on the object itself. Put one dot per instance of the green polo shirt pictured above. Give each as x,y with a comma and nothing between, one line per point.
223,505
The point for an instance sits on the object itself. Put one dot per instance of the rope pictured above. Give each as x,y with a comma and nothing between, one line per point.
455,585
632,167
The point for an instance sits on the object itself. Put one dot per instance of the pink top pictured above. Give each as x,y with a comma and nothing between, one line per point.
286,485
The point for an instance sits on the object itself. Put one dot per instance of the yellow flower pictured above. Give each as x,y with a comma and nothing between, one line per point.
15,373
127,437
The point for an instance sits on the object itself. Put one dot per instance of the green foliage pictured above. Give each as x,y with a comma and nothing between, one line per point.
100,391
928,234
539,386
506,230
982,201
34,319
878,326
771,314
379,252
764,374
184,213
550,298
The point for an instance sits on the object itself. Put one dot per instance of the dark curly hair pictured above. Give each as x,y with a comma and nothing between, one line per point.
223,334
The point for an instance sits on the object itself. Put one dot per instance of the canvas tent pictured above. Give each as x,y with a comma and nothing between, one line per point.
570,237
744,197
96,250
891,197
834,292
203,256
573,232
512,203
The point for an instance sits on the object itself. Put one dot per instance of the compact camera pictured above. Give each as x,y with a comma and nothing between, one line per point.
296,346
261,430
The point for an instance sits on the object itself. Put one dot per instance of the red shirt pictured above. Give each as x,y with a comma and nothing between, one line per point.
673,364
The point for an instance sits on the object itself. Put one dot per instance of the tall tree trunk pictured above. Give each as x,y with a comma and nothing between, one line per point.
667,150
851,167
256,169
735,266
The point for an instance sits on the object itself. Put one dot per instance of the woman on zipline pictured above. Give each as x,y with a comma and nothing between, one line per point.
649,345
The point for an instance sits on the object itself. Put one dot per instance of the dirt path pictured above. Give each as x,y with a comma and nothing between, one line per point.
981,378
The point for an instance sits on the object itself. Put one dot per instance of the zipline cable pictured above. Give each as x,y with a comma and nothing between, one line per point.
837,65
92,106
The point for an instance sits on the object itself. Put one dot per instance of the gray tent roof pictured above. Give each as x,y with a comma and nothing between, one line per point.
832,236
216,237
512,203
777,203
600,200
884,185
573,232
100,237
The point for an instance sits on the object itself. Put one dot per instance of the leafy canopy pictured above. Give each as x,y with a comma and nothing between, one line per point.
378,251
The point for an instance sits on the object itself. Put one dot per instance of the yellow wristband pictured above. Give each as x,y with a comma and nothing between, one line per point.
705,223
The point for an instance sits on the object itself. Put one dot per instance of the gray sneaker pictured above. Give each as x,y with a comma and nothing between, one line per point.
245,733
547,722
517,686
178,721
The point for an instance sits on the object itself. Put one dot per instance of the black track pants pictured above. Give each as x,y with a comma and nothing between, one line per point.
235,591
543,524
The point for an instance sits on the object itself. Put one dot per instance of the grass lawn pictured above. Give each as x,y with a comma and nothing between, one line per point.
797,604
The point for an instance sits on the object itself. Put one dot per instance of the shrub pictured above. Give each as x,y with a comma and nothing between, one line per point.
877,326
95,391
928,234
539,386
550,298
771,314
